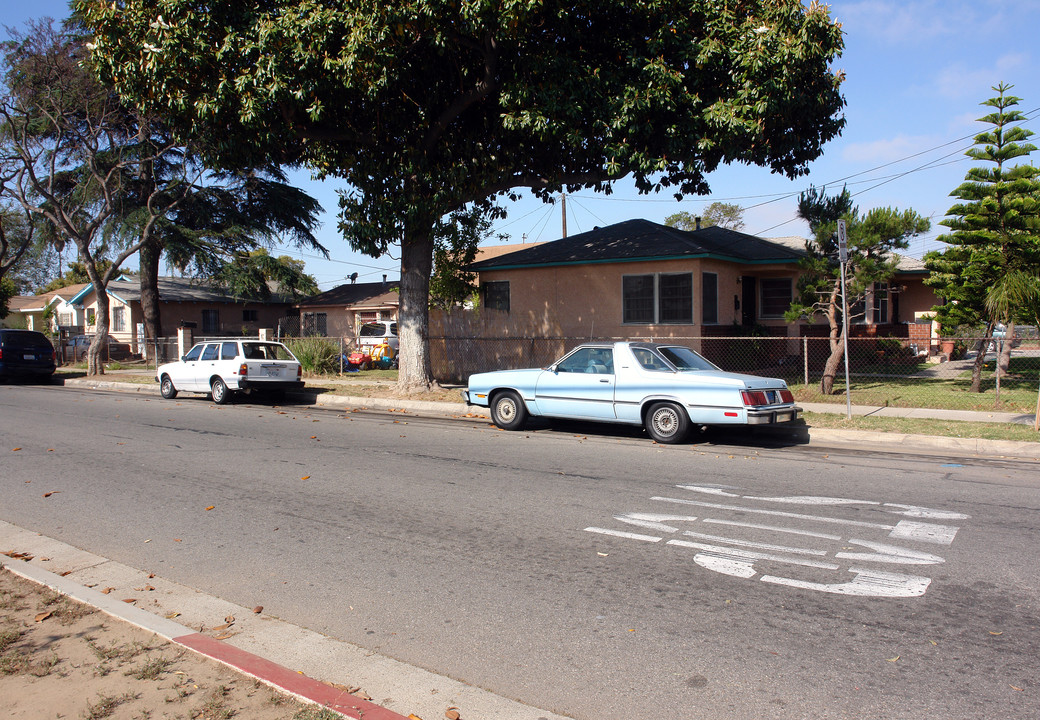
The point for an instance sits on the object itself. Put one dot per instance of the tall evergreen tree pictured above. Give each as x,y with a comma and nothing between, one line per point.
995,227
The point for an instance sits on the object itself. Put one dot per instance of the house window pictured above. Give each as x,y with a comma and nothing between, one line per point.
91,314
64,319
709,298
210,321
880,303
118,319
661,298
316,324
775,296
250,316
496,295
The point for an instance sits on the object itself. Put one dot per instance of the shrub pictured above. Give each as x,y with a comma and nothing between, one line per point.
317,355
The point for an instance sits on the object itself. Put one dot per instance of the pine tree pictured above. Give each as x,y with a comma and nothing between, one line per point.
994,228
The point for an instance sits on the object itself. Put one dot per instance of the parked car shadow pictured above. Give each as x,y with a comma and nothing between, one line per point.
763,436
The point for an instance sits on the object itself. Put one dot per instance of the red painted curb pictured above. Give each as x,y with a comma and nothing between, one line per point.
292,682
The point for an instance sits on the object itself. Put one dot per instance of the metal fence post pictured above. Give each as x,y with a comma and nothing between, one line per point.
805,357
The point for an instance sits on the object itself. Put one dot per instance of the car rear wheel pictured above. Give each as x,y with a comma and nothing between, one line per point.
219,391
166,388
667,423
508,411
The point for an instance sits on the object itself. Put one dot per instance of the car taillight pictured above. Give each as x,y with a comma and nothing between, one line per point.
754,397
786,396
299,372
243,369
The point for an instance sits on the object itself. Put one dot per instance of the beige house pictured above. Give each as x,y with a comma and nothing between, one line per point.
30,311
639,279
341,311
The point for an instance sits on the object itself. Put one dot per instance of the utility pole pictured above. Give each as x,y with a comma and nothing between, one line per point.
563,206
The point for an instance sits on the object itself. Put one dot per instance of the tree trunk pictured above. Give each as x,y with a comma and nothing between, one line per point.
413,323
980,358
836,338
95,360
148,259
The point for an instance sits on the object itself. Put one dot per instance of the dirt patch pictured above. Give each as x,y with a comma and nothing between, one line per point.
62,659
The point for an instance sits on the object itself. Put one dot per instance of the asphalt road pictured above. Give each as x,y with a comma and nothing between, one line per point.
593,574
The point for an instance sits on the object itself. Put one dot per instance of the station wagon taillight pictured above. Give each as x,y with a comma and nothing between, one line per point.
243,369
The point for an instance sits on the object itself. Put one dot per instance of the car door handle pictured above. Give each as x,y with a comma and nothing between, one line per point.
604,380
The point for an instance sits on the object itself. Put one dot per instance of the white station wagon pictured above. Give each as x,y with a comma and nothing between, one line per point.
224,367
665,388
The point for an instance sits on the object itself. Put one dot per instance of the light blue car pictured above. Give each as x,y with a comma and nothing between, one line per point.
665,388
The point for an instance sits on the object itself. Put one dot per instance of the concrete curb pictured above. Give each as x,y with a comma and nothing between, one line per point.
818,437
299,686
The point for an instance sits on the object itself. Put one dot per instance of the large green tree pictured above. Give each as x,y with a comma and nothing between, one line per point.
870,262
995,228
65,147
425,108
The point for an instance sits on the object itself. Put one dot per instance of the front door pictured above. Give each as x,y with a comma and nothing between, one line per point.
748,301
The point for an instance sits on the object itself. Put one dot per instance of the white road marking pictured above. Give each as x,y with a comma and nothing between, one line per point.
747,555
924,532
890,554
773,528
653,521
776,513
752,544
867,583
925,513
620,534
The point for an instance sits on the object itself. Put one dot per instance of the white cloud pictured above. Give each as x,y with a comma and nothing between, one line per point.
886,150
960,80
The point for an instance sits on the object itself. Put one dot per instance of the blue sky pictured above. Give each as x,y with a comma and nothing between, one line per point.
916,71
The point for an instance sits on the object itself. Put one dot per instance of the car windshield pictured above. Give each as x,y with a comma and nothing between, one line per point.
266,351
685,359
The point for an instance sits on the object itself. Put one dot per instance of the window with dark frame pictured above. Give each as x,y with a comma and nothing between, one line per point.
210,321
665,298
774,296
496,295
709,298
250,315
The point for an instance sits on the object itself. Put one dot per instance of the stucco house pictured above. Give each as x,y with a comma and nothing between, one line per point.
339,312
30,311
638,278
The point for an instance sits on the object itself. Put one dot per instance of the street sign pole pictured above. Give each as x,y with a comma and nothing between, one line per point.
843,255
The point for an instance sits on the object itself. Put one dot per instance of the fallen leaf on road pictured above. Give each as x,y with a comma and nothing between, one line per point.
225,636
15,449
229,619
894,659
258,609
52,492
602,554
452,713
414,717
43,616
171,616
210,508
306,477
996,633
129,601
14,555
1016,688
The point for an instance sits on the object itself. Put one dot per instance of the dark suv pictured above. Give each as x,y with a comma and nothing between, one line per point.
25,353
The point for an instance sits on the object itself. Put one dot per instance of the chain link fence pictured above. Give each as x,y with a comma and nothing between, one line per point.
893,372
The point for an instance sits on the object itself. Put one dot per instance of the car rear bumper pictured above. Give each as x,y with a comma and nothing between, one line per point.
772,416
20,370
248,384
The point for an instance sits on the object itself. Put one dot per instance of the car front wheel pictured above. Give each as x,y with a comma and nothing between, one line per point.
508,411
167,389
667,423
220,392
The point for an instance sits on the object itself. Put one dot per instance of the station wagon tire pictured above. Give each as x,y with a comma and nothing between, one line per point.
508,410
166,388
667,423
219,391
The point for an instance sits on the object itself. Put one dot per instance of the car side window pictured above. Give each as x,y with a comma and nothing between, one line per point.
193,354
229,351
211,352
589,360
